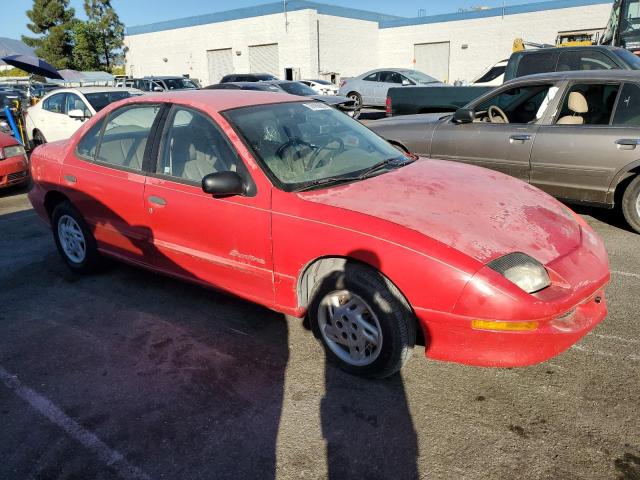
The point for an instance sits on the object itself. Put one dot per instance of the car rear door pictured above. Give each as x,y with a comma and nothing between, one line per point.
367,88
578,162
505,147
104,179
225,242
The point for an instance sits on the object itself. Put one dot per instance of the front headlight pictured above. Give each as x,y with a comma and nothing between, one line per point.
524,271
13,151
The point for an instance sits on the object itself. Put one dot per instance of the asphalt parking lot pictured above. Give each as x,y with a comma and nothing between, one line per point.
129,375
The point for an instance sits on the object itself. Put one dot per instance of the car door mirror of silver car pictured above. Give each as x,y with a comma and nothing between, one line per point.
158,89
77,114
406,83
223,184
464,115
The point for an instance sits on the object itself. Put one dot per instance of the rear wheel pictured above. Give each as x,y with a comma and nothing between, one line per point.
631,204
363,322
74,240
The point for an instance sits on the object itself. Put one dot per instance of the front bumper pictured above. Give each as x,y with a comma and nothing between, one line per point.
451,338
14,171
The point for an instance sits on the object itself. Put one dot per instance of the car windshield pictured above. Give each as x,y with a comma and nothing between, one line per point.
8,99
630,16
297,88
179,83
419,77
629,58
308,144
99,100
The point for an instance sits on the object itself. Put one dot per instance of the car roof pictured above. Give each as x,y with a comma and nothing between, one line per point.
217,100
564,49
604,75
85,90
162,77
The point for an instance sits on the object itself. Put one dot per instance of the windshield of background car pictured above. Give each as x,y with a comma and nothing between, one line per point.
630,16
99,100
419,77
8,99
302,143
179,84
296,88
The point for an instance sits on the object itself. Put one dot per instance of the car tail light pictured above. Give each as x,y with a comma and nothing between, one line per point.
388,106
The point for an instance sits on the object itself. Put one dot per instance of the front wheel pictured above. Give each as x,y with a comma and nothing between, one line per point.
74,240
357,100
631,204
363,322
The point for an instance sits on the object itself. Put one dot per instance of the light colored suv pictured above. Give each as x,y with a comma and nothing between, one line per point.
60,113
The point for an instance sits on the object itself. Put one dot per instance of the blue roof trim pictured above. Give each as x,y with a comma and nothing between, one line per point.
491,12
258,11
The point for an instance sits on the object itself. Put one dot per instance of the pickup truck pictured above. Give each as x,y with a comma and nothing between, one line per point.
412,100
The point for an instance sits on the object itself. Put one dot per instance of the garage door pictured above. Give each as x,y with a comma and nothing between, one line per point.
264,59
433,59
220,64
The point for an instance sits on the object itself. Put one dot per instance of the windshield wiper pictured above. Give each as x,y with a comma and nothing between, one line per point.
384,164
324,181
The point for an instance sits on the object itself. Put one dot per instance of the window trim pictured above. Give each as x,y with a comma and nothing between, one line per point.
570,84
159,146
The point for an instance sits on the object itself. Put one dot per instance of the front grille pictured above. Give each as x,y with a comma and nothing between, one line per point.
12,177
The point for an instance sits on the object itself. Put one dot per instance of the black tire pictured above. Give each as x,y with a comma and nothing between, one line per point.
356,97
631,204
92,260
38,138
395,317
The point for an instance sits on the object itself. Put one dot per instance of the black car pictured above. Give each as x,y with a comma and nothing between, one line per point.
248,77
344,104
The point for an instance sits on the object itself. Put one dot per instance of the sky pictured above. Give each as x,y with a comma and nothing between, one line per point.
141,12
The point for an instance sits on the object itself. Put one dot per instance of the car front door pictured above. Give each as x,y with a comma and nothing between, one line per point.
579,154
387,80
493,141
74,102
52,119
104,179
221,241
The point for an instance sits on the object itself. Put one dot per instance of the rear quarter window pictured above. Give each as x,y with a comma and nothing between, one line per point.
539,62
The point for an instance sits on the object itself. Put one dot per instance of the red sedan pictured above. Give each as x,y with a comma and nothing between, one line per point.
14,165
293,205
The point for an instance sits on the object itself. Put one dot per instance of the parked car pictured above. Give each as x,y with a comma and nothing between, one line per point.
247,77
60,113
159,84
8,98
411,100
323,87
344,104
573,134
288,203
14,164
370,88
493,76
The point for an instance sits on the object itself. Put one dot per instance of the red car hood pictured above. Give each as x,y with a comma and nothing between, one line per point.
482,213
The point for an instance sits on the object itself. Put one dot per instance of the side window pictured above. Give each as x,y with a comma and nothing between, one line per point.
371,78
55,103
628,109
584,60
541,62
390,77
588,104
73,102
88,144
194,146
125,136
525,104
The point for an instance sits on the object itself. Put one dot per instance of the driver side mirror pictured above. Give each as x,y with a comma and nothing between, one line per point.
77,114
464,115
406,83
223,184
158,89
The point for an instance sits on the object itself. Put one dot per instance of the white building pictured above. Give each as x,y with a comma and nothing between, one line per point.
311,40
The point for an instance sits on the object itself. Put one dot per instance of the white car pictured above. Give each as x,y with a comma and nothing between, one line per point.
60,113
492,77
323,87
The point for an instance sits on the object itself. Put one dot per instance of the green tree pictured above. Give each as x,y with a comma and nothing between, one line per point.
110,30
85,54
53,21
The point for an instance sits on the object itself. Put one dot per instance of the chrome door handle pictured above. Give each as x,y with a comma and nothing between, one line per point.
627,143
520,138
157,201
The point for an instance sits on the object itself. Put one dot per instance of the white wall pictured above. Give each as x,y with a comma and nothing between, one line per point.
349,46
489,39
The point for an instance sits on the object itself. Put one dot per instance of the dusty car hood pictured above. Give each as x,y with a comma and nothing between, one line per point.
482,213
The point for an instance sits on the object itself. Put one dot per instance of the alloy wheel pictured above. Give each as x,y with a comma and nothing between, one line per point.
72,239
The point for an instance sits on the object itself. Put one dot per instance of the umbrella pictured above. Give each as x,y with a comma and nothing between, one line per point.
32,65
